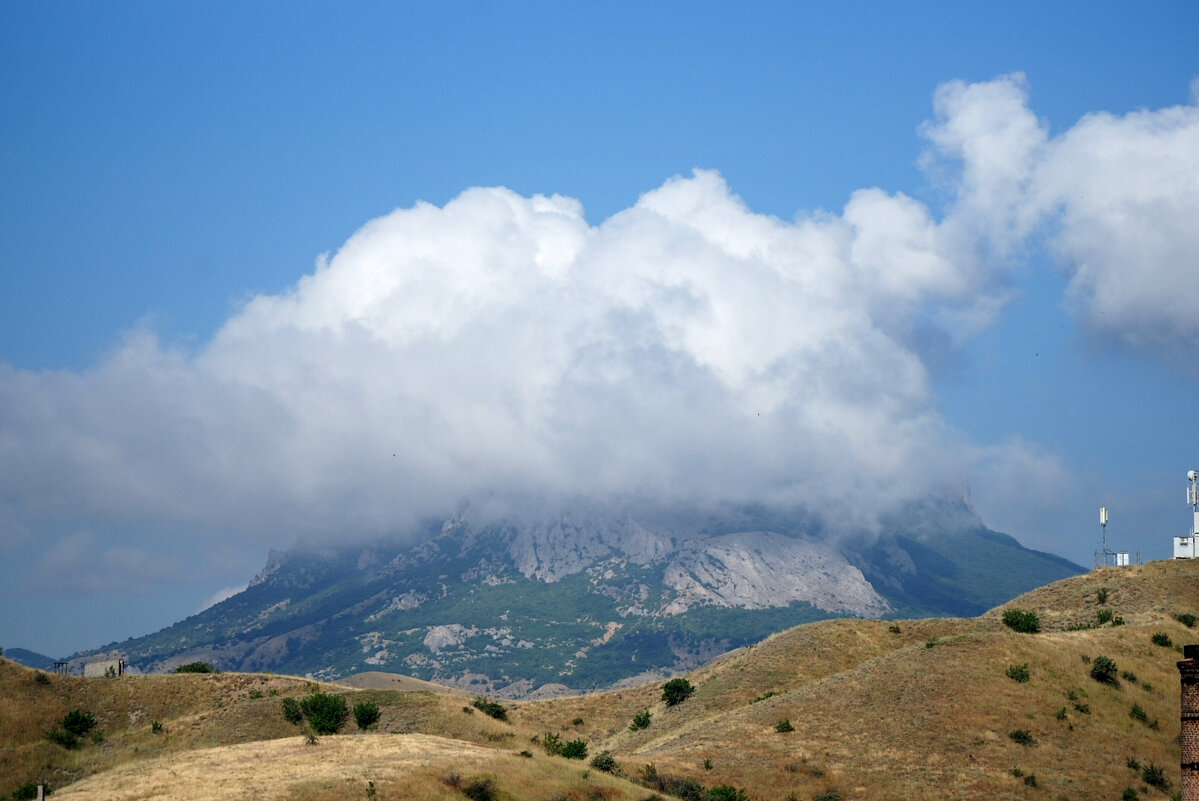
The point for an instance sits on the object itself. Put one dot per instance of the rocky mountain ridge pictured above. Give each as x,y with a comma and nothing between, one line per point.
586,598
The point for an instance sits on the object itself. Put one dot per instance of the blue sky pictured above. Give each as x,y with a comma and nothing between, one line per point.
167,164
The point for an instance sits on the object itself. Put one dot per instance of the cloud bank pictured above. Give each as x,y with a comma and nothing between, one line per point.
686,349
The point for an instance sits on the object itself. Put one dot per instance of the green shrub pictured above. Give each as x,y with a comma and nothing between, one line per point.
1101,595
78,722
1129,794
1083,709
676,691
1137,713
1117,621
894,629
831,795
640,720
1022,621
28,791
1018,673
41,677
63,738
1022,736
725,792
606,762
1186,619
366,714
784,725
1128,676
1154,776
574,749
1060,714
765,695
1103,616
481,789
292,711
196,667
156,727
491,708
1133,764
326,713
577,722
1031,780
552,743
1104,670
1162,639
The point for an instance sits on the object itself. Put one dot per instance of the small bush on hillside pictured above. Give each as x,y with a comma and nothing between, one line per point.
725,792
28,791
156,727
1060,714
1022,737
1018,672
78,722
1154,776
552,743
1117,621
1186,619
196,667
292,711
784,725
1162,639
577,722
1103,616
1101,595
1128,676
765,695
831,795
676,691
481,789
63,738
574,749
894,629
1104,670
1133,764
1129,794
41,677
1022,621
640,720
606,762
325,712
491,708
1137,713
366,714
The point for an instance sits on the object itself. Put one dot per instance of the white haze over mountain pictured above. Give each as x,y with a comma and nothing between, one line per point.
685,349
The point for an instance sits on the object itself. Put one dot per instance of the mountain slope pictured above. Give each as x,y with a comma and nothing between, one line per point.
589,598
878,709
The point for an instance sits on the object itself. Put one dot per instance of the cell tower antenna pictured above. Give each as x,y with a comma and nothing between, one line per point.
1103,545
1193,498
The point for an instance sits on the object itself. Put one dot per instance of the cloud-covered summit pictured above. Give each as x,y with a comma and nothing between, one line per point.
686,349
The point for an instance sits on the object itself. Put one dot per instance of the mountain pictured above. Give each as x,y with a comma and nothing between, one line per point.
586,598
29,658
875,709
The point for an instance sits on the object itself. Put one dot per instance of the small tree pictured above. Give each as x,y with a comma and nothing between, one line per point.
1104,670
676,691
292,711
1022,620
366,714
78,722
196,667
640,720
574,749
325,712
1162,639
491,708
1018,672
606,762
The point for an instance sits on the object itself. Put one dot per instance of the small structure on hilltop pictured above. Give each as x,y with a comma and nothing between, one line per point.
1188,736
1188,547
109,668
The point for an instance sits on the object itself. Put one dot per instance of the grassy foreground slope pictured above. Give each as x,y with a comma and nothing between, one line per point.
877,709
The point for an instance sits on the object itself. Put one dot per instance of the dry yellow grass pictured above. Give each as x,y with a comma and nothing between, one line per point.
924,711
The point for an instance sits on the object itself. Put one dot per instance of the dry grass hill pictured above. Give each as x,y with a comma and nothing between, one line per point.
876,710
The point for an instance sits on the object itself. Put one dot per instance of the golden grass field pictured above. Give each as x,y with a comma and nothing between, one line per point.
878,709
